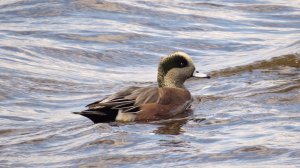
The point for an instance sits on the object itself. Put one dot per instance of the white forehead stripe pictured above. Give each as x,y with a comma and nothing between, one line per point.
185,55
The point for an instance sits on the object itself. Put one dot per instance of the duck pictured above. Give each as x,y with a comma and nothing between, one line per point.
169,98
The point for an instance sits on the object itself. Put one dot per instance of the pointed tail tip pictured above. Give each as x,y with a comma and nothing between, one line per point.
76,112
97,116
91,117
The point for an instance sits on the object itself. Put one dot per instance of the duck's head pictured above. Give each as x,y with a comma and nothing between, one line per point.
174,69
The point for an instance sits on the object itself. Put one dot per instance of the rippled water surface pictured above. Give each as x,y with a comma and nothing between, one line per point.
57,56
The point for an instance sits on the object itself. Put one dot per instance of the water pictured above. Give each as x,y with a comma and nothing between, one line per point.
58,56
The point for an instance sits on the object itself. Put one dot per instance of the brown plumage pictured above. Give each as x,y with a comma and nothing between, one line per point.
149,103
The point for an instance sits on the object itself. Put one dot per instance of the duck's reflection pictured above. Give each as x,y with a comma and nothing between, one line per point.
174,126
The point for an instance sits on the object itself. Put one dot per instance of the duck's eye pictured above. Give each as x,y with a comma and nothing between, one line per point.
182,64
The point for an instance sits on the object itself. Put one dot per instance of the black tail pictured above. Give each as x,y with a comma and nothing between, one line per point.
104,116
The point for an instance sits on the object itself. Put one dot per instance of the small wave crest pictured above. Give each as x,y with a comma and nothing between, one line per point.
290,60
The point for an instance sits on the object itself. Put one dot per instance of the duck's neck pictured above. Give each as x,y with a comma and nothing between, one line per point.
165,81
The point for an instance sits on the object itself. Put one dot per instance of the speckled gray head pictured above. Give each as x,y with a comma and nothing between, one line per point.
174,69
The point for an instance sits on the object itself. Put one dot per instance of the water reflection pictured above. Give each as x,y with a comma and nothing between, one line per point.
248,152
171,127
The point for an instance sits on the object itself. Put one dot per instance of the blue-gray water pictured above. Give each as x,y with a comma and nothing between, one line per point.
56,56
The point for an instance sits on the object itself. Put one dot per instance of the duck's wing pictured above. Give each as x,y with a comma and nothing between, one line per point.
126,101
113,99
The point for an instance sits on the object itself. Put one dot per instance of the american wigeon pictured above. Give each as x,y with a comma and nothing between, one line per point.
149,103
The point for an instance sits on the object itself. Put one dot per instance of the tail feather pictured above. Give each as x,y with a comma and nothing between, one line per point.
104,116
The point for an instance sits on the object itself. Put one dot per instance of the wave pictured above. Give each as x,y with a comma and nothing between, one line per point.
289,60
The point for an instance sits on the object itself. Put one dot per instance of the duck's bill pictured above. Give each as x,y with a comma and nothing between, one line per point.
197,74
